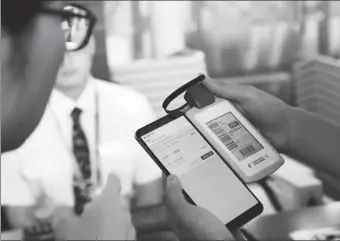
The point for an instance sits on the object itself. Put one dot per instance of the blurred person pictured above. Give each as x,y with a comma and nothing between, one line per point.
293,131
87,132
32,49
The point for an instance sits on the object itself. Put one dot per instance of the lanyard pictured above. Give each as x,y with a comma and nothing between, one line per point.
178,92
196,95
98,180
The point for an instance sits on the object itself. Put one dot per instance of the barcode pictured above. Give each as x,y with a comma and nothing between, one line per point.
223,136
248,150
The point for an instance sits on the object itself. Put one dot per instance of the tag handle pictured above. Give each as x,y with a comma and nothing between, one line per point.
180,91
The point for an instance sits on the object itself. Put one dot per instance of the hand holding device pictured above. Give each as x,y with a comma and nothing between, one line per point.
188,221
210,146
178,148
241,146
104,218
301,134
268,113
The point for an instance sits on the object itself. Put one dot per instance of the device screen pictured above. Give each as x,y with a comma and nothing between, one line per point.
205,177
234,136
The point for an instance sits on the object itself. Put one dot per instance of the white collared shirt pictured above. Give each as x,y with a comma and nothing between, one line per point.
62,107
43,164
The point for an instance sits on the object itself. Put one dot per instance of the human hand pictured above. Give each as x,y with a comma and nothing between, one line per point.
268,113
188,221
104,218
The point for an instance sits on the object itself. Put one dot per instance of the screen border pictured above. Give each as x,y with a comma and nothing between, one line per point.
233,224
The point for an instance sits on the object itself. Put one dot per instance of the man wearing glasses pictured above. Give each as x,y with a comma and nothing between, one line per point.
32,49
33,46
90,126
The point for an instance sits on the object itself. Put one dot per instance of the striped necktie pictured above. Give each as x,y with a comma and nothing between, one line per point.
81,152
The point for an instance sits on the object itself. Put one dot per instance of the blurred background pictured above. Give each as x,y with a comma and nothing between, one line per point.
155,46
290,49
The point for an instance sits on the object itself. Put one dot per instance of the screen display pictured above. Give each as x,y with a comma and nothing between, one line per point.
234,136
205,177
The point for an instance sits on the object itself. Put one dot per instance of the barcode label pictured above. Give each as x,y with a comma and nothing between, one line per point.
234,136
248,150
223,136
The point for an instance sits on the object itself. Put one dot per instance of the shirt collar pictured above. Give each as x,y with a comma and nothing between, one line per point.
63,105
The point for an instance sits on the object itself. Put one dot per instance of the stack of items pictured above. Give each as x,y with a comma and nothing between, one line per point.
157,78
295,185
317,86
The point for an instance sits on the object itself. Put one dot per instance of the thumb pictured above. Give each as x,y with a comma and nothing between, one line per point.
232,92
174,198
112,187
191,222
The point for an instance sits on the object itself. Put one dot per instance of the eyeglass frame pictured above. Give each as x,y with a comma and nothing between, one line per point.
67,14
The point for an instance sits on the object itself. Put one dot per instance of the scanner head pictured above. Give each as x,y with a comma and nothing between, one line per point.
199,96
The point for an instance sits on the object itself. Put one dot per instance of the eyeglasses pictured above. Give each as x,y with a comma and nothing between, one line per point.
77,25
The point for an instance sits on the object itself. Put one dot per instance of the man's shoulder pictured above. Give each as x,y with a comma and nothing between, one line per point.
114,91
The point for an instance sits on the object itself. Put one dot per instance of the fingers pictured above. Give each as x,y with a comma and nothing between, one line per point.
109,201
112,187
174,198
232,92
63,221
131,233
192,222
176,204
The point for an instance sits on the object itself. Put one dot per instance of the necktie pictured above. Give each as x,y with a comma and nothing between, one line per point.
81,152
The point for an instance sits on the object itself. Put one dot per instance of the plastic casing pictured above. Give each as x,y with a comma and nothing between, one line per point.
273,160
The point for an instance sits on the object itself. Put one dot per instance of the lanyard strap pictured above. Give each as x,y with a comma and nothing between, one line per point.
97,138
180,91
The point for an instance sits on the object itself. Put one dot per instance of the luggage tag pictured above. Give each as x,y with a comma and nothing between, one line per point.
227,130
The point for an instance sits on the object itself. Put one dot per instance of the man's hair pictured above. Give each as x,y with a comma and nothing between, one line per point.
15,14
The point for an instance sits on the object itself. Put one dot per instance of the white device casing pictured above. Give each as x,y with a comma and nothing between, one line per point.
254,167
